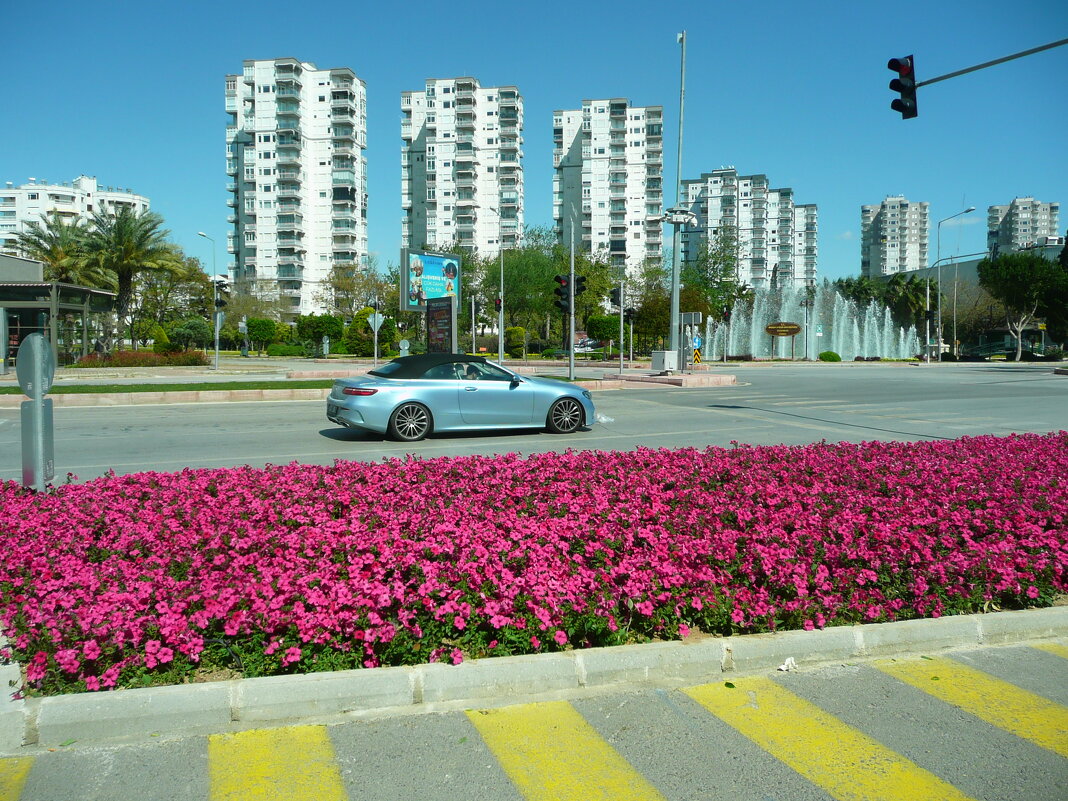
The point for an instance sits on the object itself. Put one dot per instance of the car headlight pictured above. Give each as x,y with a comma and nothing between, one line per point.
586,394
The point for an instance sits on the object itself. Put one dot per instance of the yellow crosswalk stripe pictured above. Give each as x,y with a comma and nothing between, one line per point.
1053,648
846,763
287,764
13,773
550,752
1023,713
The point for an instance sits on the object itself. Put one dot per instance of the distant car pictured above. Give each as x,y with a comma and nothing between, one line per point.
413,396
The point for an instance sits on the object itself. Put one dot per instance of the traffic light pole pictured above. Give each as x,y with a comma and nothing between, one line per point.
993,63
472,322
621,305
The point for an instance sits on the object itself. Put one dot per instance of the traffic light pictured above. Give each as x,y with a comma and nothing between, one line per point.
726,314
221,285
629,315
617,296
580,285
563,293
905,85
497,305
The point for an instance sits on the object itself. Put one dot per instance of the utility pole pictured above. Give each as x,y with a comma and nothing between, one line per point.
676,267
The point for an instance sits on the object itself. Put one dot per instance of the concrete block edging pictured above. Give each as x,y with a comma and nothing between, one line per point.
218,706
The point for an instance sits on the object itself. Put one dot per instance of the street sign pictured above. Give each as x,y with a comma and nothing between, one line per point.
375,320
783,329
35,366
696,356
690,318
697,341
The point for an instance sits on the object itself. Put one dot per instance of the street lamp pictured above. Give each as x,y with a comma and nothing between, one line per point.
676,267
500,312
215,295
938,241
676,217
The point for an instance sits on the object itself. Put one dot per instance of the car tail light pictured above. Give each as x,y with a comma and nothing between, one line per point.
361,391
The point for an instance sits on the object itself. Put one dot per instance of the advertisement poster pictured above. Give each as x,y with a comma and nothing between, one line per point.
425,276
441,325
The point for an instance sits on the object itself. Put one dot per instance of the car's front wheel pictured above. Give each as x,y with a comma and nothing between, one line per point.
565,416
409,422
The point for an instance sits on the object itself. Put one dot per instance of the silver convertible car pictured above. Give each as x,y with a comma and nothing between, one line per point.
413,396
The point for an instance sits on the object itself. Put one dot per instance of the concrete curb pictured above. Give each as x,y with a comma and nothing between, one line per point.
222,706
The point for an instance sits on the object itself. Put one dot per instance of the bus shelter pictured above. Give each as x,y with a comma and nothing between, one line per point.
72,318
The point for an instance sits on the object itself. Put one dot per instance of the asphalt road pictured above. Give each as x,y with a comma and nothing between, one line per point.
987,724
773,404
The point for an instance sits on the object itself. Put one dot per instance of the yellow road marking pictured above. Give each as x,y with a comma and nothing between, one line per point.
999,703
550,752
13,773
288,764
1053,648
846,763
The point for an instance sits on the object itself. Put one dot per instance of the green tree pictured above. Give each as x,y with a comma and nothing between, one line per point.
261,332
906,297
313,327
59,243
192,333
1026,284
126,244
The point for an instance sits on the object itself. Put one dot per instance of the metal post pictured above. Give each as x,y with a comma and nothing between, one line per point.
500,314
622,303
571,318
927,322
472,322
673,342
215,295
938,262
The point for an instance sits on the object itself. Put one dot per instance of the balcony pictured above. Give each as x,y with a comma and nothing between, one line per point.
291,155
231,186
288,191
289,175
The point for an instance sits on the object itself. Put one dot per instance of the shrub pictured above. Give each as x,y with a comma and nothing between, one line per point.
829,356
278,349
144,358
166,347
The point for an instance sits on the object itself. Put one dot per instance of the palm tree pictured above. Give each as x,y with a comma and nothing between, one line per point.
126,244
58,242
907,298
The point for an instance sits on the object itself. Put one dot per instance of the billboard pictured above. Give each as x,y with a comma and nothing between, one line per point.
427,275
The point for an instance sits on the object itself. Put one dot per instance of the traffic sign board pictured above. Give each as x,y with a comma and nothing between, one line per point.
375,320
35,366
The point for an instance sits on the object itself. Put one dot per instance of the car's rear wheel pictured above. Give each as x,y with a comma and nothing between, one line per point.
565,416
409,422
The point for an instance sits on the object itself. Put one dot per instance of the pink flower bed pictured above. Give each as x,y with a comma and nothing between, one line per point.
128,580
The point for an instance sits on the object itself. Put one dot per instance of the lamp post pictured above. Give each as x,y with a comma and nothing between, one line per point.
676,267
938,245
214,295
500,312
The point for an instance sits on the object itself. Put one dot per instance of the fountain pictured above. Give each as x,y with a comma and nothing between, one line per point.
834,323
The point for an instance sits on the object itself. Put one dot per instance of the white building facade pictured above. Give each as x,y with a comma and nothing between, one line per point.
776,238
462,166
80,198
608,191
295,156
1024,223
893,237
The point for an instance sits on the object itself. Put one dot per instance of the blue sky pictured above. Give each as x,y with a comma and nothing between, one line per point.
133,93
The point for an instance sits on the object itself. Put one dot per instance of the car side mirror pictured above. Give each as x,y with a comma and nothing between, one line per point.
516,379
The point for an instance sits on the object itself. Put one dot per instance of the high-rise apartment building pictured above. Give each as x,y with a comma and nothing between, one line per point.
295,147
608,186
31,202
775,238
893,237
1021,224
461,166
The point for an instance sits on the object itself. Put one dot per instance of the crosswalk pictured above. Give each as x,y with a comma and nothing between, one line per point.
983,724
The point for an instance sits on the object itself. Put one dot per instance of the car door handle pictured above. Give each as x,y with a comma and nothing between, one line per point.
470,389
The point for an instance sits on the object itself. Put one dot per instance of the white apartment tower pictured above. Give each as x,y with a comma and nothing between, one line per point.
776,238
608,185
1021,224
893,237
80,198
461,166
295,145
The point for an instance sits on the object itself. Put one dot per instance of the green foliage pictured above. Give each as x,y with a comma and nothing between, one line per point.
829,356
166,347
1028,285
157,334
144,358
194,332
261,331
603,327
315,326
277,349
